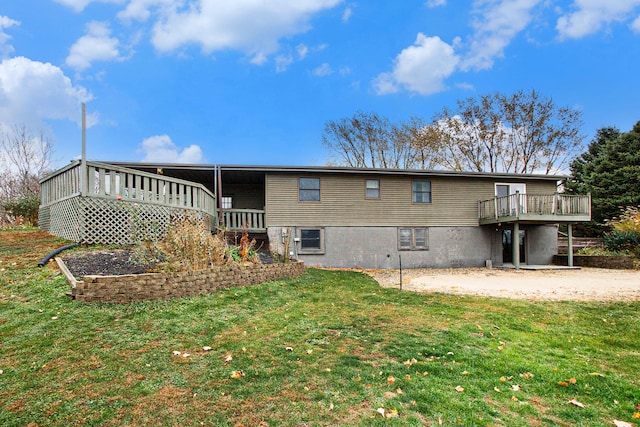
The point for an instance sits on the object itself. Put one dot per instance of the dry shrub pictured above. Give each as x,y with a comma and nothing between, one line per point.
189,245
629,221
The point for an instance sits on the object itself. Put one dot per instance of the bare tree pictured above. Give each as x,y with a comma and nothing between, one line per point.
519,133
368,140
24,159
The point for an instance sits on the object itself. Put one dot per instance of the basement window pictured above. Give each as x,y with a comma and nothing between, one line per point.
413,239
311,240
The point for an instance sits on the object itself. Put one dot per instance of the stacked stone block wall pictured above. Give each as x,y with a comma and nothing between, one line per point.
161,286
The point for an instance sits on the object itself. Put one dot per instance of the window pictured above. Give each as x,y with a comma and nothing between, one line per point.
311,240
372,189
309,189
227,202
421,192
412,239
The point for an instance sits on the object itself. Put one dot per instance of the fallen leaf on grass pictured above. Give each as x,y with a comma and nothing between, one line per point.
618,423
176,353
391,379
574,402
459,389
289,348
228,359
636,415
186,354
206,348
563,384
237,374
596,374
572,381
497,390
387,413
515,387
526,375
410,362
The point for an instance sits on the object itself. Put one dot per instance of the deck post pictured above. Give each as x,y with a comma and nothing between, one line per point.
570,245
515,242
84,176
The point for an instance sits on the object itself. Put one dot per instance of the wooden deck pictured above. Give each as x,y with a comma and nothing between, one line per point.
95,202
535,208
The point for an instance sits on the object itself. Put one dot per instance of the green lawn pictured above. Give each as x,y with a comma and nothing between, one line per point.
327,348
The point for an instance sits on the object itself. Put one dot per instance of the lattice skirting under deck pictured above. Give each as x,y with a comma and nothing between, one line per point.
105,221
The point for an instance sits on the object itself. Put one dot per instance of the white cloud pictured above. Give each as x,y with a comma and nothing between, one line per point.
498,24
635,25
436,3
251,26
5,47
97,45
160,148
140,10
591,15
421,68
346,15
323,70
79,5
283,62
302,50
32,91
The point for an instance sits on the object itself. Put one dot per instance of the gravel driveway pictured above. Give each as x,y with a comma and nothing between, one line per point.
586,284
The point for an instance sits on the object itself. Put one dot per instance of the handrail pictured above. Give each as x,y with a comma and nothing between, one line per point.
241,219
515,205
120,183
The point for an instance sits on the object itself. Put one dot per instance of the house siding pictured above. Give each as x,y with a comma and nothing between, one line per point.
343,203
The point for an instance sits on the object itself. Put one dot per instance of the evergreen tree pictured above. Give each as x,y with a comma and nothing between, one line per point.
610,171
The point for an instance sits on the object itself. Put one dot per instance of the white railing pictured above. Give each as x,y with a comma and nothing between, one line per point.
517,205
244,219
115,182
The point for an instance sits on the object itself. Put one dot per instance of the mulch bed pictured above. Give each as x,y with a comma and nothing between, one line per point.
115,263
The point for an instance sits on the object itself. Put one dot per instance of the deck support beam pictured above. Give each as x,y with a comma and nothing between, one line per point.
570,245
515,243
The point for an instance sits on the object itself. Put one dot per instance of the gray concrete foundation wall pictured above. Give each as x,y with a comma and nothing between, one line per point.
542,244
377,247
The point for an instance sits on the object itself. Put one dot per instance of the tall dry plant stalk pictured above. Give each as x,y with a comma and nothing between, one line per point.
189,245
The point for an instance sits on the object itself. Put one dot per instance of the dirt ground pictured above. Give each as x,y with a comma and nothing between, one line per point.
585,284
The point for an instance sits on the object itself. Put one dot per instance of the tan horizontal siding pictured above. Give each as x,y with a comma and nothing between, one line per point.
343,203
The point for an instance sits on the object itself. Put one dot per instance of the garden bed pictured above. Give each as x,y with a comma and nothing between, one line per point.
127,288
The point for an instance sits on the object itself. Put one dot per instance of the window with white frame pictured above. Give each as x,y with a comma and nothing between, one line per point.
309,189
372,189
311,240
421,192
413,239
227,202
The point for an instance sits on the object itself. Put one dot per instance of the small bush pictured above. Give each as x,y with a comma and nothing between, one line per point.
26,207
622,241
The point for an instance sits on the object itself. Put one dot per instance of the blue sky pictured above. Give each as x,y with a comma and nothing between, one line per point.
254,82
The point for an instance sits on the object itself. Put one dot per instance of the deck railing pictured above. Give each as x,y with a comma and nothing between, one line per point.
118,183
99,203
529,205
251,220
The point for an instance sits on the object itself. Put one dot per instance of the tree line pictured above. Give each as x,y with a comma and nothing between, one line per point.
524,132
25,158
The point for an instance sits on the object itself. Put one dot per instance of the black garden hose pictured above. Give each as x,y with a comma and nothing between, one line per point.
50,255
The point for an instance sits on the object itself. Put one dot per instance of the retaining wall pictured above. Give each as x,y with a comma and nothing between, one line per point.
161,286
597,261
